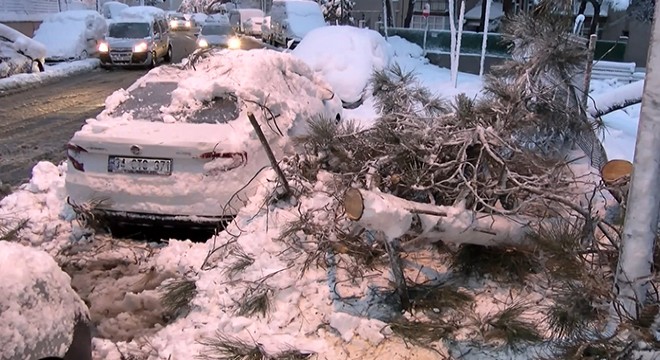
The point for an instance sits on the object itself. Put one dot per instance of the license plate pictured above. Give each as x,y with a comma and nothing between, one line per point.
139,165
120,57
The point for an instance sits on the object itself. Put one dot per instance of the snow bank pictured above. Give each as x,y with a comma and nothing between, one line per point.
345,56
405,48
71,34
38,307
41,203
51,72
22,43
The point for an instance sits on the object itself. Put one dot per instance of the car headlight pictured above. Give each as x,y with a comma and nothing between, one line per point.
202,43
140,47
103,47
188,24
173,24
234,43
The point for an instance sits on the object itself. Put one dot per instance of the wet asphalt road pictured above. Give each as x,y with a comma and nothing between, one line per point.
36,124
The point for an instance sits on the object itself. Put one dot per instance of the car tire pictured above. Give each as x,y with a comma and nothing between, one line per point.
168,54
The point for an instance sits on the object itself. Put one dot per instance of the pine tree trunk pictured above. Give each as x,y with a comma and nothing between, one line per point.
396,217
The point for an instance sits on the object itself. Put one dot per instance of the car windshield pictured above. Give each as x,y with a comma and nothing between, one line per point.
177,17
217,30
146,101
129,30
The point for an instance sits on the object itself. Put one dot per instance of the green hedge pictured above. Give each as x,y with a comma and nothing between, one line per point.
439,40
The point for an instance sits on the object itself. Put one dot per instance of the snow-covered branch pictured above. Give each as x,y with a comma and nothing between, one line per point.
616,99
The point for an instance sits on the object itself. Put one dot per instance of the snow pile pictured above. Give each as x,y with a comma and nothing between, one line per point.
22,43
71,34
38,307
405,48
40,204
50,73
346,57
299,304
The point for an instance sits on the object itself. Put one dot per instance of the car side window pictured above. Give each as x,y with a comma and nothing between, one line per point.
156,27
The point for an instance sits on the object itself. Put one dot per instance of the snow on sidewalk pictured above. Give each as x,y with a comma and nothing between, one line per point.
52,72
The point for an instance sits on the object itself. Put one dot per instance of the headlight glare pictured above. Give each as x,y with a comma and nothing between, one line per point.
234,43
103,47
140,47
202,43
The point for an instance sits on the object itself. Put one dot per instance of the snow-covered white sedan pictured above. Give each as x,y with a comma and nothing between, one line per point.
177,145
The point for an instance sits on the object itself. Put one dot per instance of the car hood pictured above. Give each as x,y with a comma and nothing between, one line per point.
122,43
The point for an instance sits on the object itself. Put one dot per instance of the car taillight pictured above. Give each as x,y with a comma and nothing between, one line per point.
220,162
72,151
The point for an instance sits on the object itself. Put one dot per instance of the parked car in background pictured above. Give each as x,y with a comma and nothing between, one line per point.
138,37
265,30
19,54
291,20
42,317
112,9
178,22
252,26
218,35
237,18
218,18
197,19
176,146
71,35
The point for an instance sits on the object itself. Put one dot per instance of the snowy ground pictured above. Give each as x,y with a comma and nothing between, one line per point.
319,310
52,72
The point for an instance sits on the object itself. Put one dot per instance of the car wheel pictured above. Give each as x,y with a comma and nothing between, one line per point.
168,55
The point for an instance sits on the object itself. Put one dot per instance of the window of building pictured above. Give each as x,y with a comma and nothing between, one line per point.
436,5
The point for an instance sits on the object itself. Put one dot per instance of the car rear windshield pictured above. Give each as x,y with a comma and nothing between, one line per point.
129,30
217,30
146,101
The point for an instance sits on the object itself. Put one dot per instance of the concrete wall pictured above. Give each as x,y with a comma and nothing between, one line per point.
26,27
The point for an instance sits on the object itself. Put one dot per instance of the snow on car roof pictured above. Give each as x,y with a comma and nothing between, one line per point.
345,56
37,304
292,91
145,12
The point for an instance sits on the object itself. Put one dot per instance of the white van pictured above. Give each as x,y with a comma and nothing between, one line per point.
291,20
238,16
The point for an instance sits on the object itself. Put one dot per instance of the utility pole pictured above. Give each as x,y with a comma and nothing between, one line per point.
641,221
